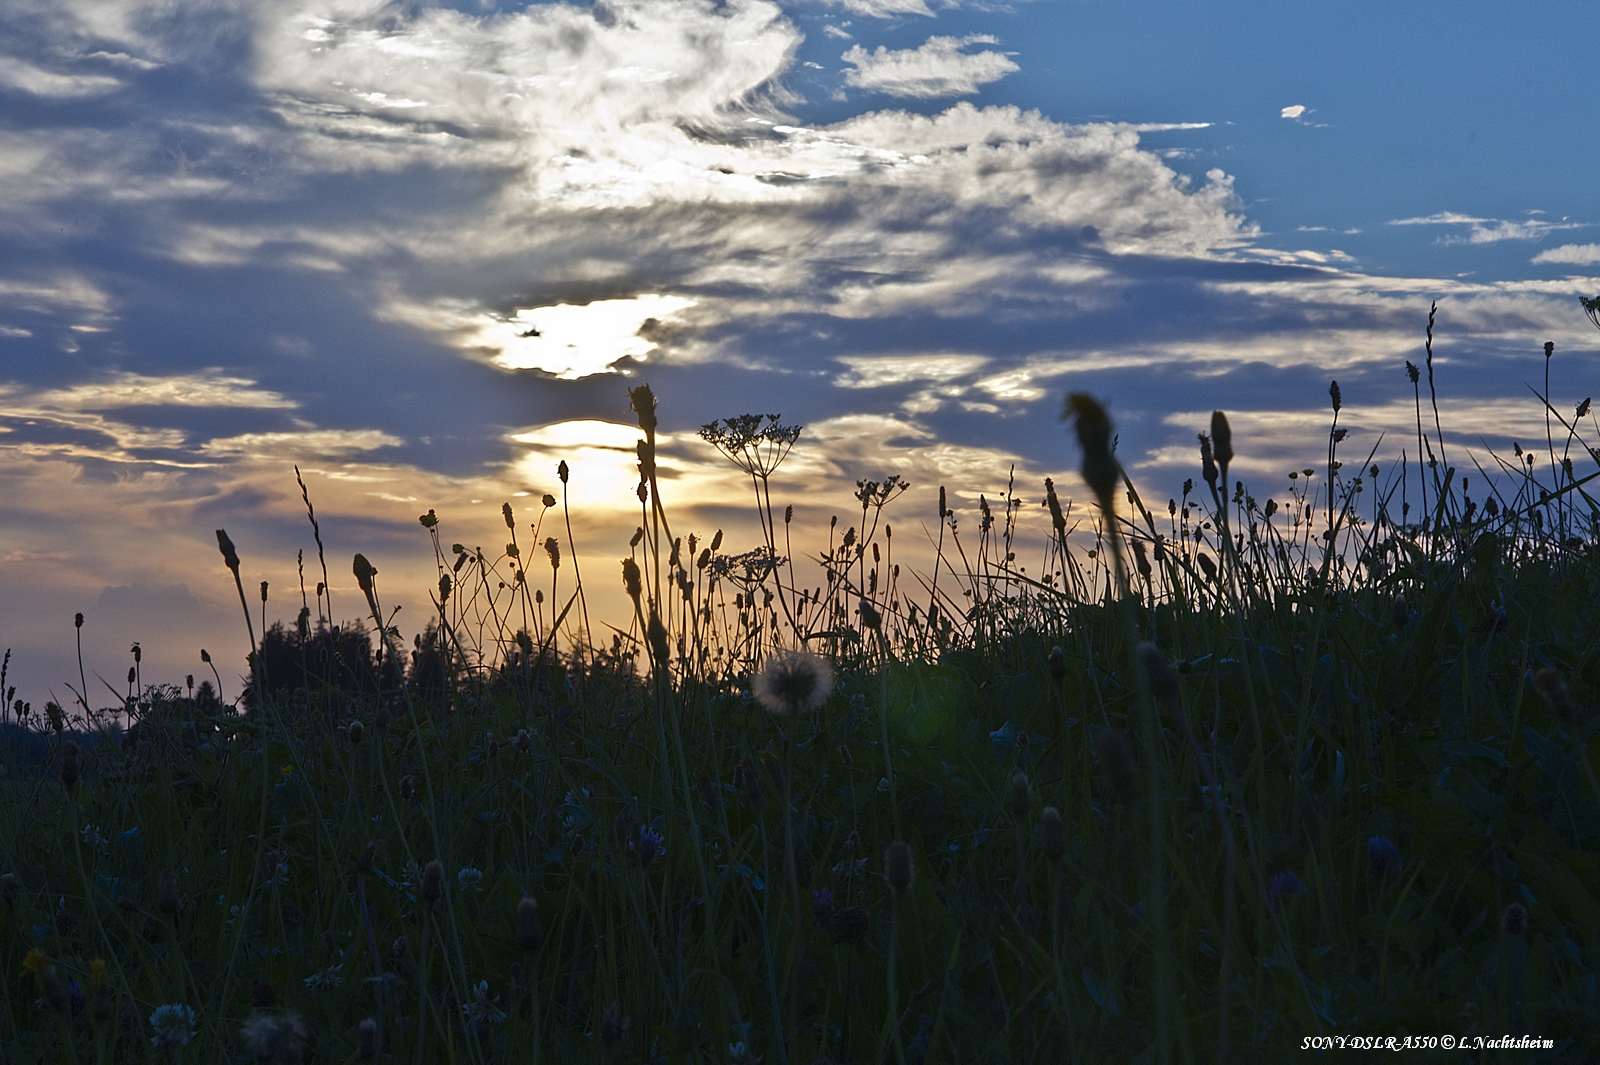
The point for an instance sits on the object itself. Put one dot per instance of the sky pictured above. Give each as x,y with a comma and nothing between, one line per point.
421,251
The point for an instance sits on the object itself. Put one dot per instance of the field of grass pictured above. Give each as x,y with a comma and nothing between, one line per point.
1224,775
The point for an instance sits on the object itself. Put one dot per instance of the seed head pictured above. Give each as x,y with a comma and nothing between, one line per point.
367,1033
529,933
230,557
77,620
1116,758
273,1040
1094,437
1019,798
792,681
1158,671
433,881
1208,464
1052,834
632,583
1514,922
355,732
408,788
71,761
870,618
897,868
1221,438
364,572
1057,663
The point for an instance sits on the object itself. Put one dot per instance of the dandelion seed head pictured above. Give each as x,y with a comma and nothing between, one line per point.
792,681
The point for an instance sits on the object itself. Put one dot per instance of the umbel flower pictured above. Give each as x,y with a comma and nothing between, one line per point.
174,1026
792,681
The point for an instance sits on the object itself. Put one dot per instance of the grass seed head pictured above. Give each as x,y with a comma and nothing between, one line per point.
1514,922
529,932
355,732
1057,663
1094,437
1019,798
71,761
1221,438
367,1033
1052,834
167,892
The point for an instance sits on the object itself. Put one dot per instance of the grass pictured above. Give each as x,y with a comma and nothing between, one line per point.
1208,783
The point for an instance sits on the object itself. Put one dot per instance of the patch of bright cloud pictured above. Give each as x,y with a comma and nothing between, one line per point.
885,8
880,370
1571,254
207,388
21,75
1293,112
321,442
1486,230
938,68
567,340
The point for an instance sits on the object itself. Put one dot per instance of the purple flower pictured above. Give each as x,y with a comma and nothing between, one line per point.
1381,854
1285,883
649,846
822,907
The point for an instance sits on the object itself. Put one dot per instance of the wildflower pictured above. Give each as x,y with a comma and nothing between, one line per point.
1514,922
529,933
482,1011
100,990
1285,883
470,878
792,681
822,907
275,1040
649,846
42,968
850,868
65,920
174,1025
355,732
324,979
1052,834
897,867
1381,854
1057,663
367,1040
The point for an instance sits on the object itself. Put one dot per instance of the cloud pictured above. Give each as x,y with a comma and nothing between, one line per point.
937,68
885,8
26,77
1487,230
1294,112
1573,254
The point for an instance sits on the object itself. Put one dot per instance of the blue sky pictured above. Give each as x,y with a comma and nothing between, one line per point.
237,237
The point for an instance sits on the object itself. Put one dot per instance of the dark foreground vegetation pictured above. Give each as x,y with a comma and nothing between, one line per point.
1214,778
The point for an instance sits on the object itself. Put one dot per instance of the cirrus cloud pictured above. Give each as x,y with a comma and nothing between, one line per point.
937,68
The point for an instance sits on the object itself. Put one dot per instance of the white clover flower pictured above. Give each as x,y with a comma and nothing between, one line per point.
174,1026
470,878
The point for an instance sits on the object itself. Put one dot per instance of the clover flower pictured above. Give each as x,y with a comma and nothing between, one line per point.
324,979
482,1011
470,878
1285,883
174,1026
649,846
1381,854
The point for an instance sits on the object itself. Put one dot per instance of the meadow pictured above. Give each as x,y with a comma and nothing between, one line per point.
1207,780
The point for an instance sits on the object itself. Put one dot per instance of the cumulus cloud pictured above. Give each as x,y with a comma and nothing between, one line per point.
1573,254
1293,112
936,69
